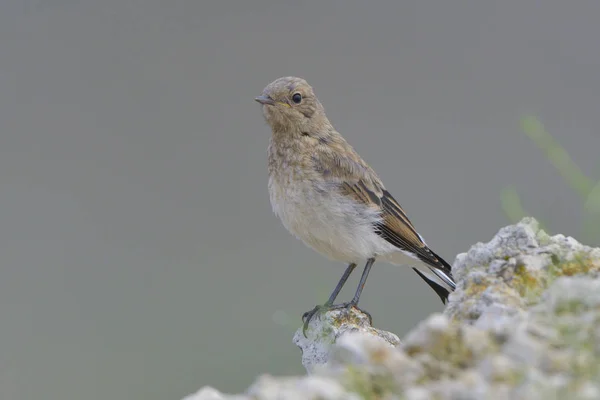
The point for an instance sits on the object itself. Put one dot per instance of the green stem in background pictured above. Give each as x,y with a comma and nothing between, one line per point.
511,204
557,156
586,188
591,225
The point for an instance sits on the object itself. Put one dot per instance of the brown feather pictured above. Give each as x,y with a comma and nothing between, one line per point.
357,179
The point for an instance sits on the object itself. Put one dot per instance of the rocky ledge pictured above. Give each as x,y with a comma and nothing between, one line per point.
524,323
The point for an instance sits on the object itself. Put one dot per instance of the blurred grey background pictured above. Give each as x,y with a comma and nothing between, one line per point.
139,255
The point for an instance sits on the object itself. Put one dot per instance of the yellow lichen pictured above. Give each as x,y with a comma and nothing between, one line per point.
453,350
530,284
475,289
450,351
527,284
376,386
575,267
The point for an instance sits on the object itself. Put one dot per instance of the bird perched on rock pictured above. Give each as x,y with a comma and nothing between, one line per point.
328,197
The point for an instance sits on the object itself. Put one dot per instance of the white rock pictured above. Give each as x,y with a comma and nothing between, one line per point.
523,323
209,393
327,329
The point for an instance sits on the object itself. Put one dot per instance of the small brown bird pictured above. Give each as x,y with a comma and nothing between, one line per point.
329,198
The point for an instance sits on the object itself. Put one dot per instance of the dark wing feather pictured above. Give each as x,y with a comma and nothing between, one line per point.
395,226
338,163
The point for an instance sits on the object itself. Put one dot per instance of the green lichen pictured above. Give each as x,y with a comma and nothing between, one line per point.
582,363
325,335
573,350
574,306
451,351
512,377
543,238
451,348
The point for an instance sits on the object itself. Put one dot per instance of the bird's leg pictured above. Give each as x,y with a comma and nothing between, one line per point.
340,284
306,317
363,280
352,303
359,289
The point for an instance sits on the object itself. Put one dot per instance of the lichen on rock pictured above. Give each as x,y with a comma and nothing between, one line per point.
327,329
523,323
511,272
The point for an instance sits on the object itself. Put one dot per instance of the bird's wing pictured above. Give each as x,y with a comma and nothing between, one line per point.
395,227
357,179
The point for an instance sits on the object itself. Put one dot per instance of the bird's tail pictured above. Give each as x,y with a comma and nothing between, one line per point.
439,289
440,280
436,272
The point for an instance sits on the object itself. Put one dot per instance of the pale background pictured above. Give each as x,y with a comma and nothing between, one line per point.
140,258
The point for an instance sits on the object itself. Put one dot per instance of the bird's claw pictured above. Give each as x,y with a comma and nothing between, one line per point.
307,316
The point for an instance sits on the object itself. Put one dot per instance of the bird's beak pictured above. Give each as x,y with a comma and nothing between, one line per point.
262,99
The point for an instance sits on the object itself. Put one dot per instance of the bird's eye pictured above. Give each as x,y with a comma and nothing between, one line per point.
297,98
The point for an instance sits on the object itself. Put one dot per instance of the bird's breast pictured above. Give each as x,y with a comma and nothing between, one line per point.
320,215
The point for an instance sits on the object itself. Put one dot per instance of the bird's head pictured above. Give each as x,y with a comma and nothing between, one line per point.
290,105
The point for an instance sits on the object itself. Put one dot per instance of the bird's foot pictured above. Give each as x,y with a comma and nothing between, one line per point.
307,316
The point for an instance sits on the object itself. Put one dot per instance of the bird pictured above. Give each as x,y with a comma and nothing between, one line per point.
327,196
